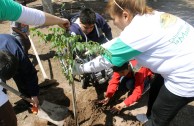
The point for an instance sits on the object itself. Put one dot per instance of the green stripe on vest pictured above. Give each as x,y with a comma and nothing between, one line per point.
120,53
10,10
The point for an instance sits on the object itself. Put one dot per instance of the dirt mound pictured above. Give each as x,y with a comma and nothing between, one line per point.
92,114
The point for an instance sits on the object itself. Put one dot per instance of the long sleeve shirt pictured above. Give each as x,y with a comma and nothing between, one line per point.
161,42
26,75
139,77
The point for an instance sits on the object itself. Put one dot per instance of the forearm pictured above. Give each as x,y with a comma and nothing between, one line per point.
52,20
132,98
113,85
32,81
30,76
111,89
136,94
95,65
26,75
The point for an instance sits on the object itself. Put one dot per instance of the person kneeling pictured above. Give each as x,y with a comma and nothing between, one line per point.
131,77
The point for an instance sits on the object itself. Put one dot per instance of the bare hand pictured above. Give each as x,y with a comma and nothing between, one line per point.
117,108
36,101
65,24
104,101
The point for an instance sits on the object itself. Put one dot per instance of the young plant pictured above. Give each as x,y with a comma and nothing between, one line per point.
66,46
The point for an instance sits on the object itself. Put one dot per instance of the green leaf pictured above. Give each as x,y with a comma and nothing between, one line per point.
67,44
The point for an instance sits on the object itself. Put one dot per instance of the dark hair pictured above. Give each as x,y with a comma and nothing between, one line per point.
8,65
87,16
121,68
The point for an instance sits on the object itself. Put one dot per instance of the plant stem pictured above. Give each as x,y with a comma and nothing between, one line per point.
74,102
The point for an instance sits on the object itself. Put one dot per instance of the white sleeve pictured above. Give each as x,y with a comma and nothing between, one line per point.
30,16
95,65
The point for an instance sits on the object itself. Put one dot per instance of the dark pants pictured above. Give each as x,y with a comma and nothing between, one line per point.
165,107
7,115
155,87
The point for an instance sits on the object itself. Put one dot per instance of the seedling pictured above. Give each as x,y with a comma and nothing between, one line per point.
65,46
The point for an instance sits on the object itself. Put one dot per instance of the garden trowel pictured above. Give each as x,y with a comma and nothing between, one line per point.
49,111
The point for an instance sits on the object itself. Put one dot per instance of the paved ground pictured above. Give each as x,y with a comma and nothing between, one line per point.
181,8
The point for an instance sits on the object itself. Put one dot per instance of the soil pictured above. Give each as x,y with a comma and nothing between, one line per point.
88,112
